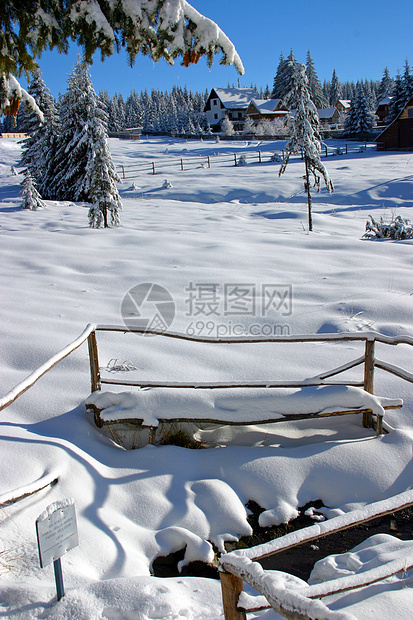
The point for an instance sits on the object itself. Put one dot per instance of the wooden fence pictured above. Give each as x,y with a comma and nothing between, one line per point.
368,360
299,604
131,171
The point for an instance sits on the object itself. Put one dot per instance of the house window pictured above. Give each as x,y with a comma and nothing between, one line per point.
409,112
215,116
215,102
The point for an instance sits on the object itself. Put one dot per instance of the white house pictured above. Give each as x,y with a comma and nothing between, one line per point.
230,102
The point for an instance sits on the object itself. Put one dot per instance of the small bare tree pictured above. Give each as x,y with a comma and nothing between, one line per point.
305,138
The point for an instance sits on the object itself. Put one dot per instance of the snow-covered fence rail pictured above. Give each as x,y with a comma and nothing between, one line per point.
131,171
190,163
27,383
368,360
298,603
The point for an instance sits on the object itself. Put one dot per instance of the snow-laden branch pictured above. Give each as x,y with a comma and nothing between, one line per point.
158,28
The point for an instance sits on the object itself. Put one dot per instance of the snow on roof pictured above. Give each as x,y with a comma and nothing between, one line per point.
325,112
235,97
385,101
345,102
266,105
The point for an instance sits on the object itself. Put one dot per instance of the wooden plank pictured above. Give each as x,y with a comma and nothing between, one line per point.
368,378
231,588
94,362
216,386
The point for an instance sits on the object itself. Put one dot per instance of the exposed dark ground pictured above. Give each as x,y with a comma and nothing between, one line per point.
297,561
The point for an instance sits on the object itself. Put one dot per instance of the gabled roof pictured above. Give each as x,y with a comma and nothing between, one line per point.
345,103
233,98
408,104
266,105
385,101
326,112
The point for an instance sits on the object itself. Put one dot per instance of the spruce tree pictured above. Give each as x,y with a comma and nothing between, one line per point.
386,86
397,102
31,197
84,169
284,78
305,137
336,92
314,84
359,120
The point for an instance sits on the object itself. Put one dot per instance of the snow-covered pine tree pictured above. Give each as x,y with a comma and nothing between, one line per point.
227,127
31,197
101,182
284,77
386,85
336,92
305,136
314,84
276,88
397,101
359,120
40,148
84,169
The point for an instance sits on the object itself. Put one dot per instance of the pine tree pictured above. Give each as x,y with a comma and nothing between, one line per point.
283,79
407,82
31,197
386,86
227,127
397,102
314,84
39,149
84,169
102,178
336,92
305,137
359,120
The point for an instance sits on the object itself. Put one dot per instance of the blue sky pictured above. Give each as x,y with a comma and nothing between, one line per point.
356,37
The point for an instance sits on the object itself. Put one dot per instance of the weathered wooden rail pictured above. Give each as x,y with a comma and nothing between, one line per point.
131,171
299,604
368,360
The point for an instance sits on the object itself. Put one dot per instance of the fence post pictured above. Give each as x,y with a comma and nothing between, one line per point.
235,158
209,163
368,378
259,157
94,362
326,149
182,164
123,171
231,588
153,167
346,149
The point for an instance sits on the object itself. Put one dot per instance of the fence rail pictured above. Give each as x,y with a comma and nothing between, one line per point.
241,565
131,171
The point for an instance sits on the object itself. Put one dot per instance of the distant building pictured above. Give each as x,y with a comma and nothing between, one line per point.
329,116
266,110
343,105
399,134
228,102
382,111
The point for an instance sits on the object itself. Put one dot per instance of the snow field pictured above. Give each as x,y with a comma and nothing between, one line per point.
219,225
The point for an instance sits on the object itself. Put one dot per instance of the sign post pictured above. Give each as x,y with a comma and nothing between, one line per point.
56,530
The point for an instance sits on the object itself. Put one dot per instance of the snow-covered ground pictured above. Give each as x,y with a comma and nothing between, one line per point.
215,234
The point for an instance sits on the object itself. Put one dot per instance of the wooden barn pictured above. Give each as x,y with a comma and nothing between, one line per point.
399,134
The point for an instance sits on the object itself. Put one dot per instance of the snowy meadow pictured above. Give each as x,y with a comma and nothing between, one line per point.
217,239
